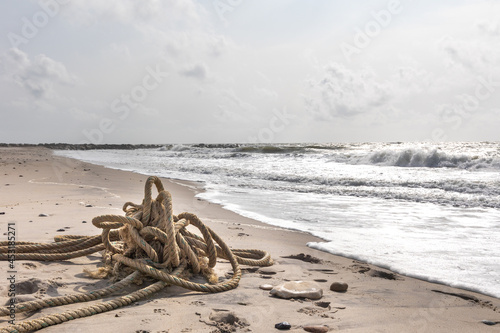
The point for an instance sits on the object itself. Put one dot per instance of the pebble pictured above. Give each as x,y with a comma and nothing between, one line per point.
42,215
316,328
338,306
89,205
284,325
339,287
60,230
2,213
325,305
267,272
489,322
298,289
266,286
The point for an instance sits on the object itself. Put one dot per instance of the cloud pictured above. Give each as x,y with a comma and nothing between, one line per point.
234,100
119,50
233,108
413,78
197,71
216,45
457,53
489,28
146,111
341,92
37,76
82,116
173,13
266,93
175,28
476,53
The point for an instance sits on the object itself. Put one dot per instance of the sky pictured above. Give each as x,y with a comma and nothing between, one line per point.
241,71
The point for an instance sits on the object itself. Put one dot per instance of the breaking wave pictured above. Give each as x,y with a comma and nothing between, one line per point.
423,158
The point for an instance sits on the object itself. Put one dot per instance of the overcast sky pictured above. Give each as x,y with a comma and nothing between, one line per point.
184,71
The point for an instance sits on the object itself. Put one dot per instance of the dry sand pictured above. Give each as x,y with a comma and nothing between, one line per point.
33,182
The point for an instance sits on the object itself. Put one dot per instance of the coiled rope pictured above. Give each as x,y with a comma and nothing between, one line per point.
149,241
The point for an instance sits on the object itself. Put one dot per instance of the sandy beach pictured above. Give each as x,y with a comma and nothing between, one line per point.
43,196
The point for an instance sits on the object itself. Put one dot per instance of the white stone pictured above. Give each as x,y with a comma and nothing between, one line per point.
298,289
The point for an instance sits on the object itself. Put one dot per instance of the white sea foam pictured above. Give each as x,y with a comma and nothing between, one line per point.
425,210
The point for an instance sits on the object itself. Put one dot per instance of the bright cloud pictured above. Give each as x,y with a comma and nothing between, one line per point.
37,76
340,92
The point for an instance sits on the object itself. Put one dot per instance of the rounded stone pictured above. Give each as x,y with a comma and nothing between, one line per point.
266,286
316,328
339,287
284,325
298,289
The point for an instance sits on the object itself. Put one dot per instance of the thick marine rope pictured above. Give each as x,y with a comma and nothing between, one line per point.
149,241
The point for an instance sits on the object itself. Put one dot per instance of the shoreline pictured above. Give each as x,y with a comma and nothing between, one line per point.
377,299
441,274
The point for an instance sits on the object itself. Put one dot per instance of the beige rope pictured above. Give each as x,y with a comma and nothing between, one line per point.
148,241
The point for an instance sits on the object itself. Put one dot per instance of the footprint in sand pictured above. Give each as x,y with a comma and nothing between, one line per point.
304,257
359,268
162,312
30,265
30,286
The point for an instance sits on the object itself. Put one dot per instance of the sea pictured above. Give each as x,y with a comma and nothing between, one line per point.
425,210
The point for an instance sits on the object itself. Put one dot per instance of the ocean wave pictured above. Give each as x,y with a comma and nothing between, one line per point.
408,172
457,195
447,191
270,149
278,148
427,158
178,147
418,156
